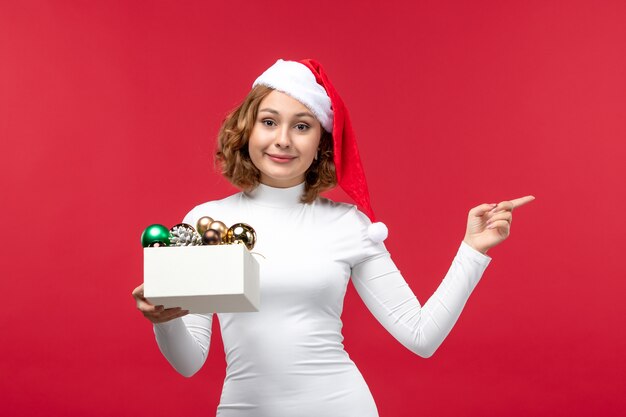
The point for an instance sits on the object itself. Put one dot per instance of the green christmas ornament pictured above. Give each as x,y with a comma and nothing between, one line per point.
155,235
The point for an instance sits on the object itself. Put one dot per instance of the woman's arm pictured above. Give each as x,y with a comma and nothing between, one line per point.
420,329
185,341
423,328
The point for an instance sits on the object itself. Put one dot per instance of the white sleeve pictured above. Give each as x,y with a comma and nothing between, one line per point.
185,341
420,329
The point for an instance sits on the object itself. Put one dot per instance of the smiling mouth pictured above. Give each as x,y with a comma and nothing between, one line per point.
281,158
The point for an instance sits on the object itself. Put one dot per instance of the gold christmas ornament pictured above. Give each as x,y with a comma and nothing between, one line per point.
219,227
211,237
203,224
241,233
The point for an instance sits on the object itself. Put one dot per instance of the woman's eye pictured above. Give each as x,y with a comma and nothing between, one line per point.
268,122
302,126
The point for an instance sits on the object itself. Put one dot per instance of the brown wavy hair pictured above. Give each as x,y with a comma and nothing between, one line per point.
233,158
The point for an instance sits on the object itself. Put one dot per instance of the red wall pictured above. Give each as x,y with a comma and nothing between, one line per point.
108,114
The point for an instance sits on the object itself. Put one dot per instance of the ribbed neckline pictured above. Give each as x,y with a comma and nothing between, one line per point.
265,195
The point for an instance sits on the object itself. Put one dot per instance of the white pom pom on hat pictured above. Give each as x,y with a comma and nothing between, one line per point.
307,82
377,232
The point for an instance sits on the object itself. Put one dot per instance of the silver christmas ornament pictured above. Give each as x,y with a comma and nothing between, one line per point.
184,235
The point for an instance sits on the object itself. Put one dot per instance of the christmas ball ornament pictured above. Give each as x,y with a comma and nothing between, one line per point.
219,227
203,224
243,234
184,235
155,235
211,237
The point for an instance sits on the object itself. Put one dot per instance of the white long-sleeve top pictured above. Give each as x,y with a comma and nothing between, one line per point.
288,359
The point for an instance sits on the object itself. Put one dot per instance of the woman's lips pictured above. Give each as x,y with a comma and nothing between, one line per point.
281,159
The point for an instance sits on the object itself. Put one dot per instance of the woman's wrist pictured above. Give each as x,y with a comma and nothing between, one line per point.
474,246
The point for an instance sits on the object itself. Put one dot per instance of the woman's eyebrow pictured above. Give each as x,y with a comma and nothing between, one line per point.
301,114
269,110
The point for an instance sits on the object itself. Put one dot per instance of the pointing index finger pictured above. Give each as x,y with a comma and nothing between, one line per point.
518,202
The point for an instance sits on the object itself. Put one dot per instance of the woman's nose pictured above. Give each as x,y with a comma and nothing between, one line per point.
283,138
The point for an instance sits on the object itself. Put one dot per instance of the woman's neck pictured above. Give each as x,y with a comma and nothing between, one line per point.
276,197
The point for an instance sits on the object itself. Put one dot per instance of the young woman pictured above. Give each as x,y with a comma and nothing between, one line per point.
289,140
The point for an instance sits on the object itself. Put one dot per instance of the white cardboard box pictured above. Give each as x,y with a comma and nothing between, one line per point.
202,279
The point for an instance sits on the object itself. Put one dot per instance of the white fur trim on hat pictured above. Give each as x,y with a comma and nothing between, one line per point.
296,80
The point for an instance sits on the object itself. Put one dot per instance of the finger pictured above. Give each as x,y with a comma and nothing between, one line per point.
171,314
510,205
138,292
503,215
502,206
518,202
500,224
479,211
155,313
146,307
168,312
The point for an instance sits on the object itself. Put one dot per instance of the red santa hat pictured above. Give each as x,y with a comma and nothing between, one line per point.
307,82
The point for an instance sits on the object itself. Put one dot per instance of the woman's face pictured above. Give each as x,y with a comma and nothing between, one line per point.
284,140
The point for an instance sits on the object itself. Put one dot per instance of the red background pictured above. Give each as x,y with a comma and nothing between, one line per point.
109,110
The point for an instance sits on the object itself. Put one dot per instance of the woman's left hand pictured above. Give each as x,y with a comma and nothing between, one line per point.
489,224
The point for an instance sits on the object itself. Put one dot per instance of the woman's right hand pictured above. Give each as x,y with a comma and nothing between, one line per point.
156,314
